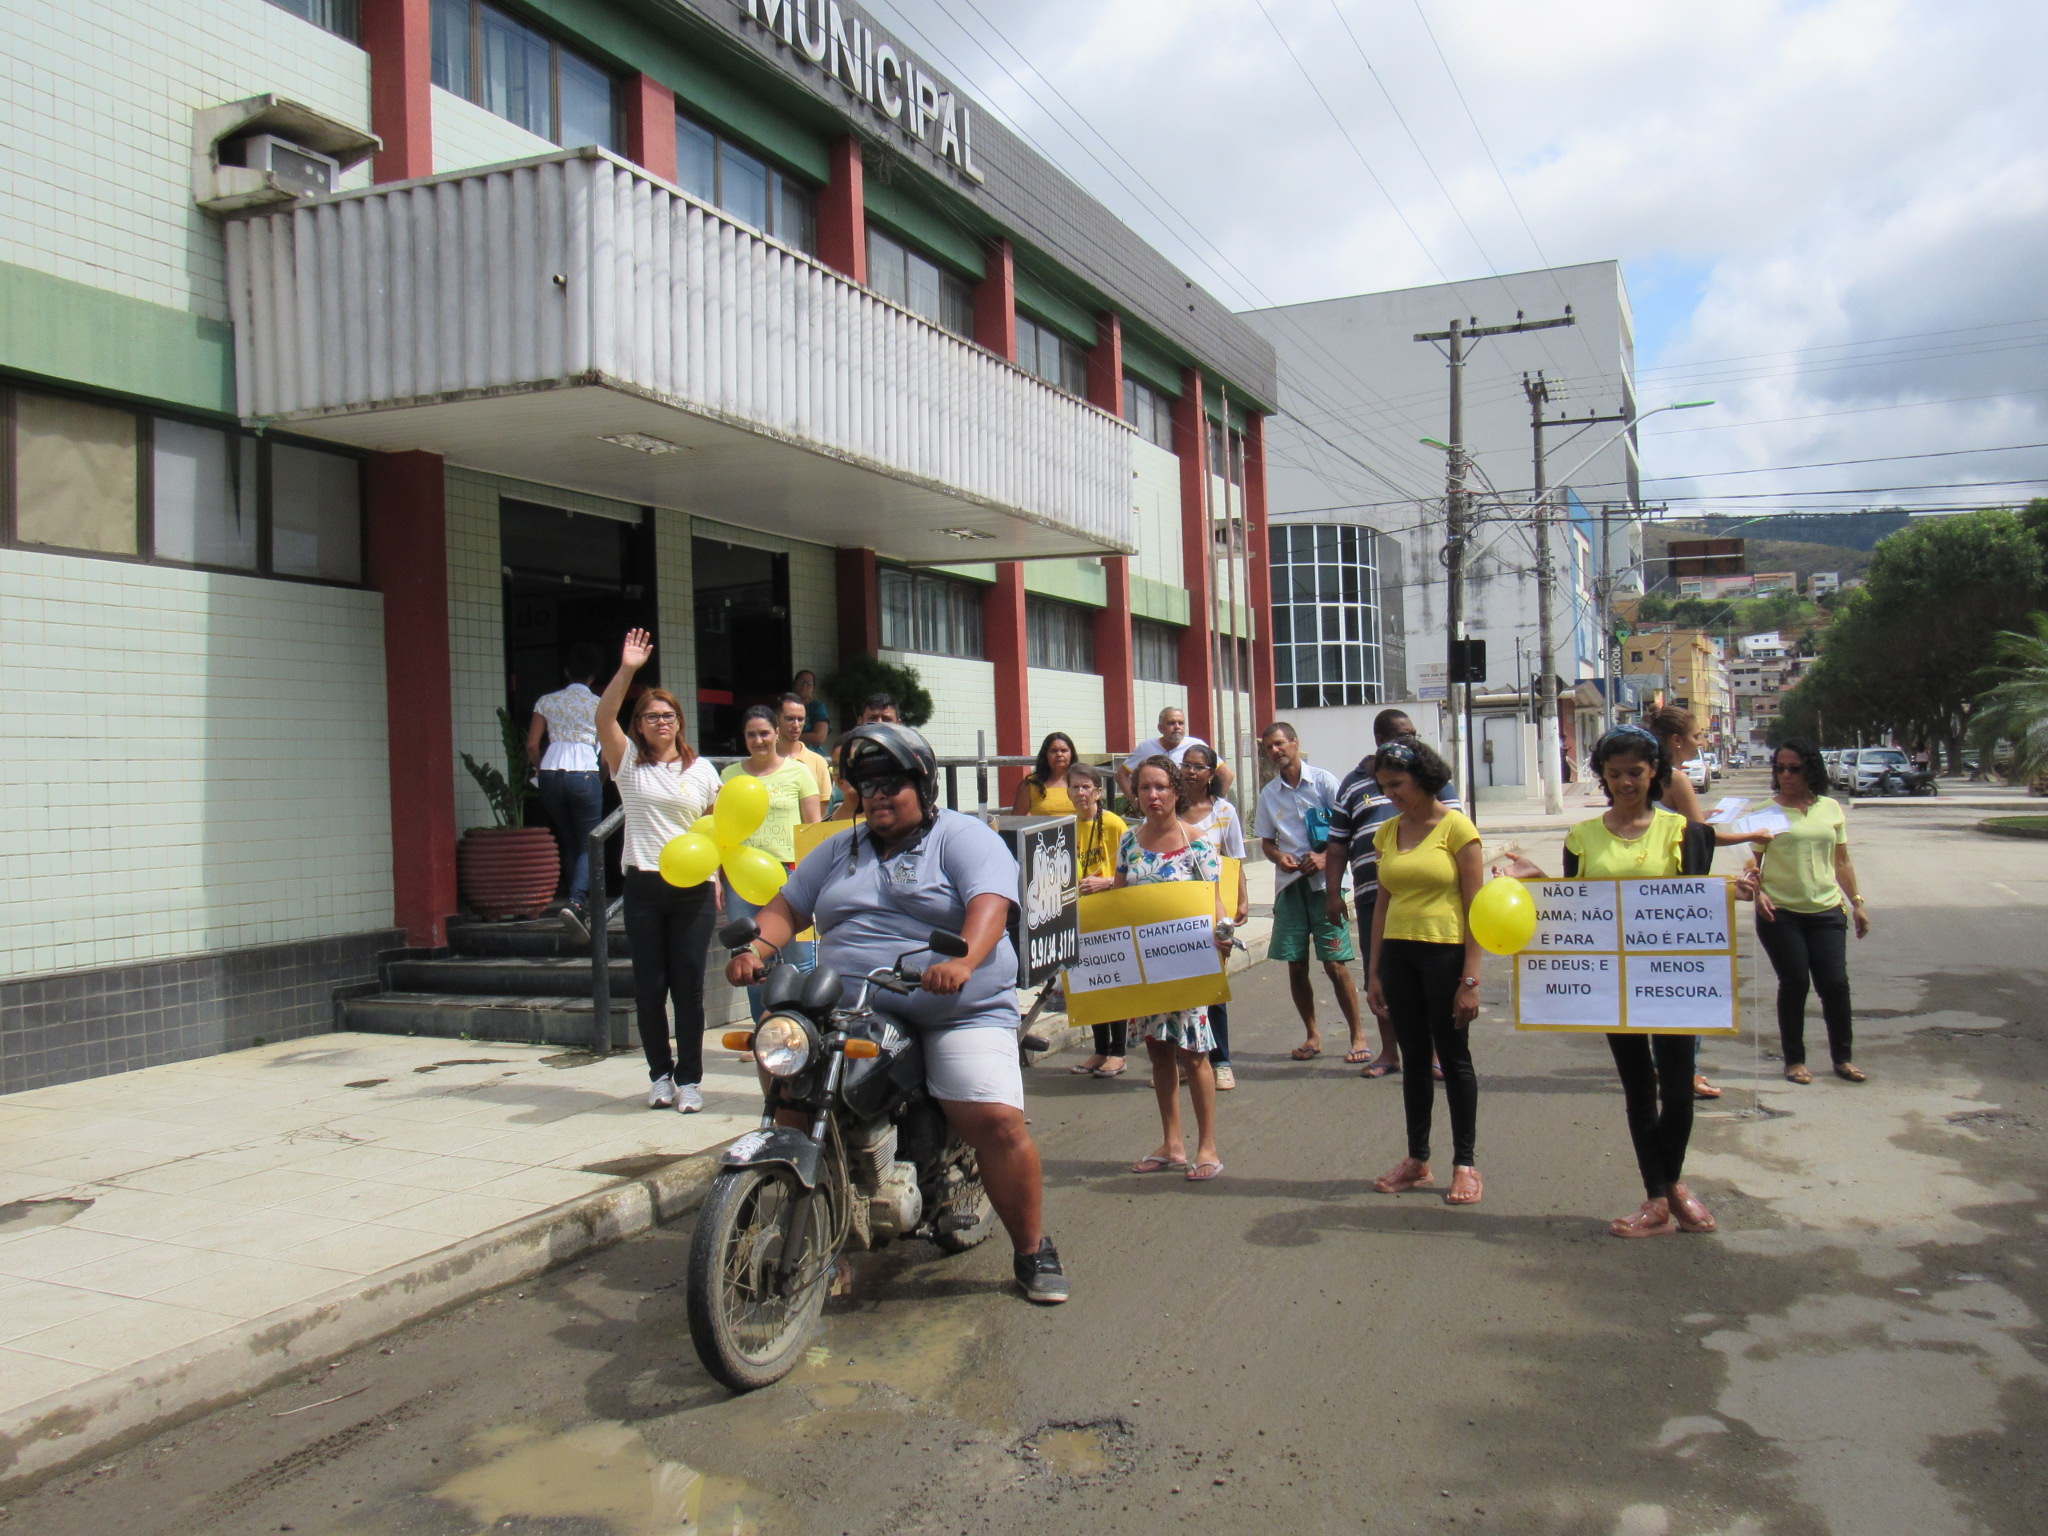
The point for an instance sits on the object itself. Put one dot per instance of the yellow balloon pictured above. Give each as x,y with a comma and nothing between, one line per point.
1504,916
741,808
757,876
689,859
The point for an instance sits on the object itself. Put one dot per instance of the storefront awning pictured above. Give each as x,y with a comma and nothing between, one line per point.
574,321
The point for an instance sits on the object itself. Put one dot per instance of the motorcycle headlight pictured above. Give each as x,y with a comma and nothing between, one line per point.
782,1045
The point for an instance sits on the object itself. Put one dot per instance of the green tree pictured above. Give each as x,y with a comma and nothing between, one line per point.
2016,709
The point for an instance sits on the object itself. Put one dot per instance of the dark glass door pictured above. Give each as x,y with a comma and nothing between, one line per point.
743,650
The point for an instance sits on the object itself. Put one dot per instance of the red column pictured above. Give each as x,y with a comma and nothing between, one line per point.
409,565
995,301
398,35
843,213
1106,364
1002,621
1259,570
860,604
1197,652
1114,658
651,126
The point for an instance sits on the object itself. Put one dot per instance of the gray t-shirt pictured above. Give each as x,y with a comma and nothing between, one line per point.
869,910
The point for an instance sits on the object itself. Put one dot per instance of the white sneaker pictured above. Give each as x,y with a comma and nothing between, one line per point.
661,1094
1225,1079
689,1098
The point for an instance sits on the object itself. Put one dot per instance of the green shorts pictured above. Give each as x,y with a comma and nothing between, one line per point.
1299,911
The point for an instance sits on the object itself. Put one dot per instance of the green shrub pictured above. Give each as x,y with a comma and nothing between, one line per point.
851,684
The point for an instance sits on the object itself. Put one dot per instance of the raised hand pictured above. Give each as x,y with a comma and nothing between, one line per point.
634,653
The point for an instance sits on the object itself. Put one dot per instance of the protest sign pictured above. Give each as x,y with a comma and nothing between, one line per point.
1145,949
1630,957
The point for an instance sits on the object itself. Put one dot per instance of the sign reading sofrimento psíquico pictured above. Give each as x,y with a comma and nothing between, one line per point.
1630,957
877,69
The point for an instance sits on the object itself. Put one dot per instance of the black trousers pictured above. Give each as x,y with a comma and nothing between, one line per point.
1810,950
670,930
1219,1021
1656,1085
1421,982
1110,1038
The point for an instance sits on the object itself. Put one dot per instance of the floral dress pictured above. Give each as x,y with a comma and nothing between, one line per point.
1188,1028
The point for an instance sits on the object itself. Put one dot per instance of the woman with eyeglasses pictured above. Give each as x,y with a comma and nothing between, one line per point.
1423,971
663,787
1213,819
1806,903
1098,832
793,799
1044,791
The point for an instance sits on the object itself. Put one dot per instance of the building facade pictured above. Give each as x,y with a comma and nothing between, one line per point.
359,357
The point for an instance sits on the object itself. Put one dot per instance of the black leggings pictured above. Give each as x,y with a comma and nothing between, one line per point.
1421,983
1109,1038
1656,1084
1810,948
669,928
1219,1022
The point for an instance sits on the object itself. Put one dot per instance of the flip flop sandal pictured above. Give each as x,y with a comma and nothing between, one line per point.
1376,1070
1436,1072
1357,1058
1160,1165
1642,1224
1102,1072
1305,1052
1196,1176
1083,1071
1478,1190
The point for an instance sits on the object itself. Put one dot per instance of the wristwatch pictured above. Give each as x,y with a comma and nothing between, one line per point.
1471,981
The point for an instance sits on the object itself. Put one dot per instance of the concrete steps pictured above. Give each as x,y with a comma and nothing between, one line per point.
519,976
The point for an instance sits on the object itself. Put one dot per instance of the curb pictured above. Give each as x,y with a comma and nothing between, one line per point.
2002,826
78,1424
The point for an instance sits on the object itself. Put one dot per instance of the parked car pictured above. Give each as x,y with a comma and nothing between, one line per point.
1884,771
1831,759
1698,771
1713,764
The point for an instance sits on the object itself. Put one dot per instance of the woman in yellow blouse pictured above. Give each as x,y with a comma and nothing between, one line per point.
1097,833
1044,791
1424,967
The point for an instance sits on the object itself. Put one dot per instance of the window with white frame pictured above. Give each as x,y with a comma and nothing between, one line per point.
1150,412
711,167
1045,352
1059,636
920,285
1326,625
523,75
927,612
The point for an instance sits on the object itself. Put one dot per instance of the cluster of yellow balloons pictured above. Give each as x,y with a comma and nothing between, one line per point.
693,858
1503,916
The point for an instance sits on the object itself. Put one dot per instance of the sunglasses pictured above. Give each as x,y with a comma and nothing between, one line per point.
886,787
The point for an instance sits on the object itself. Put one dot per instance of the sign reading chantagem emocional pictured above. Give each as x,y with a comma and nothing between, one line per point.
876,69
1630,956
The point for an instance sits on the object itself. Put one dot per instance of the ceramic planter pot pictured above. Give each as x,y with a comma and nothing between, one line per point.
508,871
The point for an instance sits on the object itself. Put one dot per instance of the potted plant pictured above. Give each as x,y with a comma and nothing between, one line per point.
508,870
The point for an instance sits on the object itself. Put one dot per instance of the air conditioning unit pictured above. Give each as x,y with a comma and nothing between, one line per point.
305,171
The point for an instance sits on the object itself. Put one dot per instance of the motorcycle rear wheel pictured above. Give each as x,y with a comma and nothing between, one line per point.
749,1332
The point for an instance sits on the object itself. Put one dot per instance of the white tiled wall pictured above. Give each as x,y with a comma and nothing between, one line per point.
466,135
1070,702
1147,699
192,762
963,700
96,105
1155,494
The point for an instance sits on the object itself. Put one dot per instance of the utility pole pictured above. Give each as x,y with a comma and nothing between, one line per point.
1549,767
1458,695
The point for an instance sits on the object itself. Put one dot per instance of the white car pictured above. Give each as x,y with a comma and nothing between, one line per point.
1698,770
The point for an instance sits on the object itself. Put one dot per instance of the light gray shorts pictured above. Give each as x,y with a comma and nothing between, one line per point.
973,1064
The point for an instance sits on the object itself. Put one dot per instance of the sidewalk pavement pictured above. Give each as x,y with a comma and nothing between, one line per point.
174,1239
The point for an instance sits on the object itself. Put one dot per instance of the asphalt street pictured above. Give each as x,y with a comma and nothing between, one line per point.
1860,1350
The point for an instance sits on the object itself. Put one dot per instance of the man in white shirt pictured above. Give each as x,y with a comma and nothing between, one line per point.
1172,742
1293,827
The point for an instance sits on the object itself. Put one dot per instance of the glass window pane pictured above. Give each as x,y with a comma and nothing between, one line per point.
1131,404
316,524
923,297
205,502
74,475
1305,664
1073,369
588,115
956,298
742,185
894,591
451,67
338,16
1328,586
515,73
1326,543
1283,625
885,267
696,161
796,217
1283,666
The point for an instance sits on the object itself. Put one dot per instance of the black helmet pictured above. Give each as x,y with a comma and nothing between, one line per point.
882,747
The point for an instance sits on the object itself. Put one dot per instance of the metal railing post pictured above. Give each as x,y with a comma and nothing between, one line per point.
601,935
981,771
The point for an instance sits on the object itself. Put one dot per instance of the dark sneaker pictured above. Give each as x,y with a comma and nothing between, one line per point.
1039,1275
577,924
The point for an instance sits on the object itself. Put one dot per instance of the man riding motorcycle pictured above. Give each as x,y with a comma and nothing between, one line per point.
880,889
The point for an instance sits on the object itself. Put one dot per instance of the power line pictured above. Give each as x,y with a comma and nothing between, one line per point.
1831,346
1883,458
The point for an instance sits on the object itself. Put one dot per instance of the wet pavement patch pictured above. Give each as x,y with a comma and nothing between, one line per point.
1087,1450
26,1215
367,1082
463,1061
633,1167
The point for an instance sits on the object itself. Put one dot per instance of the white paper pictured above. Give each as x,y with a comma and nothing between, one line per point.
1107,959
1726,810
1574,917
1685,992
1569,989
1675,914
1179,948
1770,819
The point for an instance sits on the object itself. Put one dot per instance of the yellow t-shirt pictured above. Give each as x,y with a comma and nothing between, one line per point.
1799,865
1424,899
1098,844
1050,802
788,787
1655,855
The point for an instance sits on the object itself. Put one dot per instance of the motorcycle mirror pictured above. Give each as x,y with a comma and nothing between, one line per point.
739,933
949,944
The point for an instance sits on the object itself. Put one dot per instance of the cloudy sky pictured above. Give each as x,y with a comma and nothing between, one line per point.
1831,215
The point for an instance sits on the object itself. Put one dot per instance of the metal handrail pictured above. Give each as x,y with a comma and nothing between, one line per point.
601,934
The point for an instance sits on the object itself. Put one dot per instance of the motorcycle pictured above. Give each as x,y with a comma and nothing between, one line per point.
878,1163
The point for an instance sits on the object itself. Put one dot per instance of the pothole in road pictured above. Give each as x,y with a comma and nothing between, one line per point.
24,1215
1089,1450
1993,1121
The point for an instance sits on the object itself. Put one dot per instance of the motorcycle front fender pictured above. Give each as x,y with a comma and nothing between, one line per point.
776,1144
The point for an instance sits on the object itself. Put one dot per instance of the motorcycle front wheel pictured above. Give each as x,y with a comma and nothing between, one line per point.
750,1330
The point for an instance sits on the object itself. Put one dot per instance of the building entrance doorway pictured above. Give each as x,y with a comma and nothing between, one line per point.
569,577
742,600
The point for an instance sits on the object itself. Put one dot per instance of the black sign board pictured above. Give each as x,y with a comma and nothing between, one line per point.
1046,927
1468,661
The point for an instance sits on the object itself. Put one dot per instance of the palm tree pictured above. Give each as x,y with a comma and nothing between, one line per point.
2016,709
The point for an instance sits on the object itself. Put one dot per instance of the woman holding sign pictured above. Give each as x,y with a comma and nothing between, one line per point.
663,787
1213,819
1160,849
1424,969
792,798
1098,834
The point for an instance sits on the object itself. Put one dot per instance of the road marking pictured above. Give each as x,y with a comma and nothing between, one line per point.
2000,885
